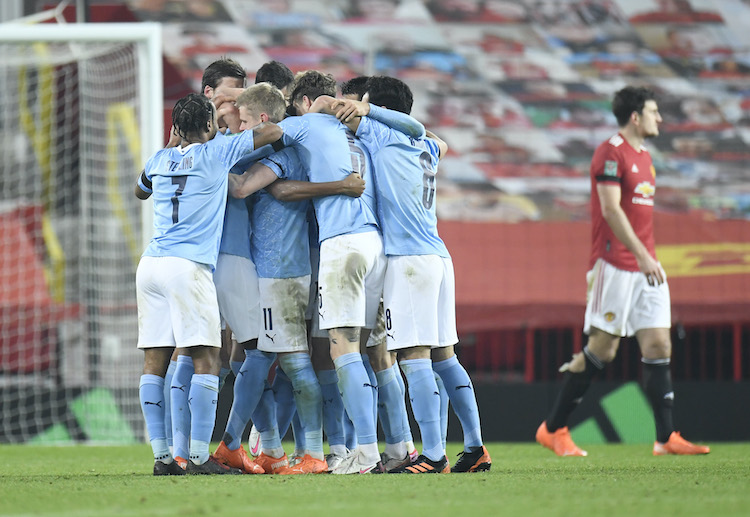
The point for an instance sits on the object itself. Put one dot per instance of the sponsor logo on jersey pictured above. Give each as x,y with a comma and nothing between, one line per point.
634,168
646,193
610,168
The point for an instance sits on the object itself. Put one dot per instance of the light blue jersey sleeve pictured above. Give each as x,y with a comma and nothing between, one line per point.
231,148
398,121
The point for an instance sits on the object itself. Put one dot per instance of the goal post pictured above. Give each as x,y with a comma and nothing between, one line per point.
81,109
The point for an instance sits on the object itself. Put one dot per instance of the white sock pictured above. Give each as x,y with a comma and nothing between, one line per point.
396,450
369,452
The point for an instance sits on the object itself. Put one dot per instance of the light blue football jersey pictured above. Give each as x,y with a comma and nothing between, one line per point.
235,239
189,188
280,240
405,171
331,153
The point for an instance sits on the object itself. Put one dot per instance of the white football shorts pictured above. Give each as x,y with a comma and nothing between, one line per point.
237,288
177,304
419,295
283,302
350,280
622,302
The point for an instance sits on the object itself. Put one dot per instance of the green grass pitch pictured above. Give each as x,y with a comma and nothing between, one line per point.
525,480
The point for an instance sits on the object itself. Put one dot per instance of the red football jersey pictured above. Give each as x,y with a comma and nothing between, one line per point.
616,162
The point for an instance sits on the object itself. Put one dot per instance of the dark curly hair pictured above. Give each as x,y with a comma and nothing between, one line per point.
192,114
355,86
390,92
313,84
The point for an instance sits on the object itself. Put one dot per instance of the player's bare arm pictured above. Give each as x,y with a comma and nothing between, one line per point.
609,199
293,190
267,133
439,141
252,180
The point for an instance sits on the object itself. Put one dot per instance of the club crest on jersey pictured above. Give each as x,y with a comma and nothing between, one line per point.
609,317
610,168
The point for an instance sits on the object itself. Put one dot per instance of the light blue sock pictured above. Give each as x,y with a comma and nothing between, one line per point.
444,403
307,397
425,403
357,391
204,396
298,432
151,393
284,397
406,426
178,393
248,390
461,394
264,418
374,383
235,366
391,406
223,373
168,401
333,407
350,433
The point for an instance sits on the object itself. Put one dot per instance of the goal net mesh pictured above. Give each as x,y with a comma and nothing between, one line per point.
70,238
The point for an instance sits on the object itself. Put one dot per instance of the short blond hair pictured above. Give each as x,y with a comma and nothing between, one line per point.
263,98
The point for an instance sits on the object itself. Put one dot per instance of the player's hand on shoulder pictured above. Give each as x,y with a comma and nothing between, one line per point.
353,185
322,105
347,109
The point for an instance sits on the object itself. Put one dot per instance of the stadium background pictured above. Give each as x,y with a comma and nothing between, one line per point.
520,90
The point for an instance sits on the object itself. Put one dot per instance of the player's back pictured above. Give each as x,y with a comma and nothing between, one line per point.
331,153
405,182
189,193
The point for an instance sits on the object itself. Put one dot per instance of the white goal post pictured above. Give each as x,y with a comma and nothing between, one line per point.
81,109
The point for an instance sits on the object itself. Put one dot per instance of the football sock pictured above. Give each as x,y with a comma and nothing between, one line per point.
405,425
444,403
357,391
235,365
308,399
179,391
299,436
572,391
284,397
391,408
223,373
657,384
461,395
168,401
374,383
349,433
425,404
204,395
333,407
151,393
248,389
265,421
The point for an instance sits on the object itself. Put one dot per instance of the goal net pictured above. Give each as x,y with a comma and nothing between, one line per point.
80,110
